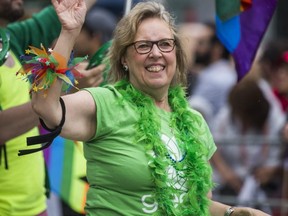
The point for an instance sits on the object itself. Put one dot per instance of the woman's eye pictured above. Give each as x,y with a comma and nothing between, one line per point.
143,46
165,44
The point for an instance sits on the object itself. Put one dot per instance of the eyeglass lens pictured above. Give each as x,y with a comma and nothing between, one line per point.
165,45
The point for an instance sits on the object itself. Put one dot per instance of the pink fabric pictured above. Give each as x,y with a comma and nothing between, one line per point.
43,214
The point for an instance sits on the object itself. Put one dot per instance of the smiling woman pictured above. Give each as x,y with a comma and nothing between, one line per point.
139,129
150,69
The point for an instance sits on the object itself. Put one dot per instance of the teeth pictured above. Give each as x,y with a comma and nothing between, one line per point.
155,68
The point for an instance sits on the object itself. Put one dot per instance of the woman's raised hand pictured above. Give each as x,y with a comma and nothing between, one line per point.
71,13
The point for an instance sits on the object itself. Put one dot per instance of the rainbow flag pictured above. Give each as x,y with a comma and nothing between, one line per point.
67,172
240,26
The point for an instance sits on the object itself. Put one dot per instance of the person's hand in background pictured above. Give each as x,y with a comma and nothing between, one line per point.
90,77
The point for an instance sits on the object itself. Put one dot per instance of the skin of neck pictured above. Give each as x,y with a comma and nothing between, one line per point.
163,105
160,97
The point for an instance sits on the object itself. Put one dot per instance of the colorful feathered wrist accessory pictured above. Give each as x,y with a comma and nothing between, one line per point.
41,68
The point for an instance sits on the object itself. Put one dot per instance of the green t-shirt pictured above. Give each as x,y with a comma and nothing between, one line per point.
117,169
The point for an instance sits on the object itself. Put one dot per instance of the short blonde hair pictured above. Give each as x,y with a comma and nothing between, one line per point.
124,35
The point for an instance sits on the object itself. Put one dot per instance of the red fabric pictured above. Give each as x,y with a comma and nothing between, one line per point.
245,4
283,99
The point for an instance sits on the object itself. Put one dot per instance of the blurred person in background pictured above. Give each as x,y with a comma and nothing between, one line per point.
281,92
272,83
97,29
267,66
196,38
271,62
22,179
281,80
246,163
215,79
22,190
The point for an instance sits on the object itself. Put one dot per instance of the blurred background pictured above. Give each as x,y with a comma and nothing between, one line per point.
185,10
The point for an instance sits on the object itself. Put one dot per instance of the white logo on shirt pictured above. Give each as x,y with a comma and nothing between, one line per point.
151,206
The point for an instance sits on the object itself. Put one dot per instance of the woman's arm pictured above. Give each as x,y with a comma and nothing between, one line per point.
80,107
219,209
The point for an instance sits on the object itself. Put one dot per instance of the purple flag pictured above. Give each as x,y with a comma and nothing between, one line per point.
242,33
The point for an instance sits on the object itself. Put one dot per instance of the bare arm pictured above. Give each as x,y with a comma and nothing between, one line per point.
16,121
80,107
219,209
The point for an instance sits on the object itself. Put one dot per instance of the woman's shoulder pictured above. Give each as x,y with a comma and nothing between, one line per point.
106,90
197,114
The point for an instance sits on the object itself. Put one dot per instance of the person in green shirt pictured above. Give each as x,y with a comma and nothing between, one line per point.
22,189
147,152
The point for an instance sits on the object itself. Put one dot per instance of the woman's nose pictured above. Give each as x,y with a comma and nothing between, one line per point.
155,51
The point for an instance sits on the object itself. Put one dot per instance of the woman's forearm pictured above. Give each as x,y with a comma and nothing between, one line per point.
46,103
219,209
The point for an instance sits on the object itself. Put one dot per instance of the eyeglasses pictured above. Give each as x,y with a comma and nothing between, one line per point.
144,46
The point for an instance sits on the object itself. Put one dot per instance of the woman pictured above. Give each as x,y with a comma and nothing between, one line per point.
146,151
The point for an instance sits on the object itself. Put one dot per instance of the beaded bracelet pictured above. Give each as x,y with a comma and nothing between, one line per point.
41,68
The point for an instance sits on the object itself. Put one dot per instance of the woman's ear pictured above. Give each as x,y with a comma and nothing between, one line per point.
123,61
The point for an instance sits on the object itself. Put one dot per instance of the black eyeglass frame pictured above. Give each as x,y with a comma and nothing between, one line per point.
152,44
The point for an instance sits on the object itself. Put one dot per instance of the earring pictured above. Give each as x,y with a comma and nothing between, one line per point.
125,67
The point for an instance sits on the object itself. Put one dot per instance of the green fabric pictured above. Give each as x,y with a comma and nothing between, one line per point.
117,168
227,9
100,57
43,27
22,190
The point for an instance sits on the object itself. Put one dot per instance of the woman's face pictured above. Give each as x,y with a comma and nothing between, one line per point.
156,69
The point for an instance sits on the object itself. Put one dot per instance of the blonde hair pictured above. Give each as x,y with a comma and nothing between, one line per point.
124,35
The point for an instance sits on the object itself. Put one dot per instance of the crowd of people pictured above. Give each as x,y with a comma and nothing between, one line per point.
247,120
152,145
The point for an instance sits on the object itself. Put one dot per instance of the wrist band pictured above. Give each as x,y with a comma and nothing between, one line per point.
41,68
229,211
46,139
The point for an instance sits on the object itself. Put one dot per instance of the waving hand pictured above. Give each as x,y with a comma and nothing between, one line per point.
71,13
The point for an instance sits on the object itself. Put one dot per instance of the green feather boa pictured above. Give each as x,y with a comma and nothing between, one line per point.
195,167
